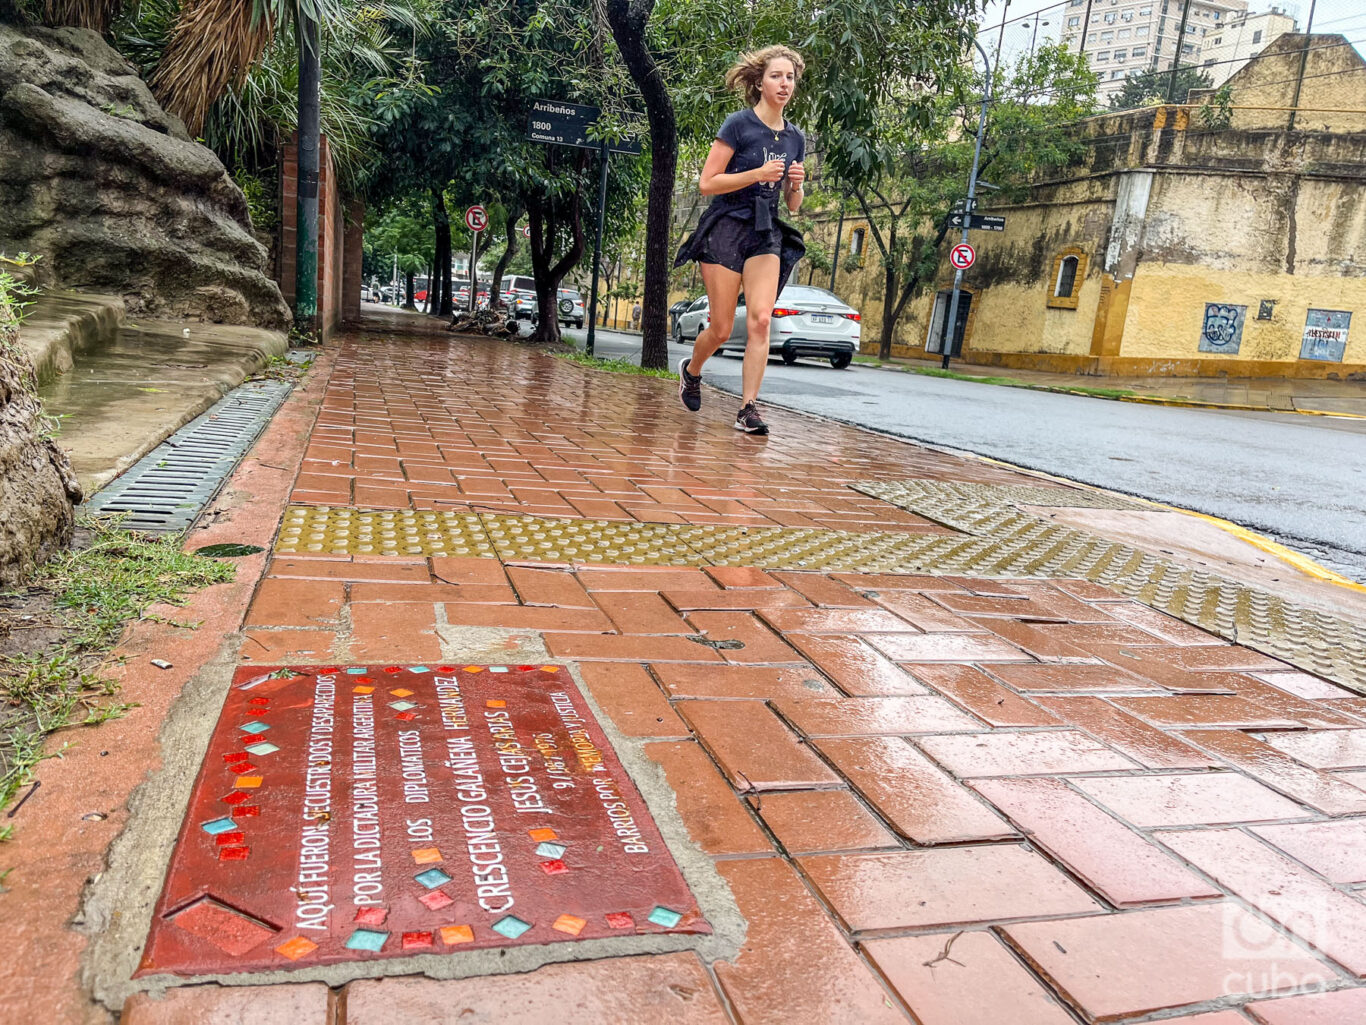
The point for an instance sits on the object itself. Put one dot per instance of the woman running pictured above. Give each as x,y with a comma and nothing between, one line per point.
739,241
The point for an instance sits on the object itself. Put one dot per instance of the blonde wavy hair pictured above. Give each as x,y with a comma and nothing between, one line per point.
747,76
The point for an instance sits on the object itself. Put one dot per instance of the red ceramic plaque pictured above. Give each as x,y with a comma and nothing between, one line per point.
425,810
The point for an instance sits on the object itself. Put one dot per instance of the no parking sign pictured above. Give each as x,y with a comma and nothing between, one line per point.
962,256
476,218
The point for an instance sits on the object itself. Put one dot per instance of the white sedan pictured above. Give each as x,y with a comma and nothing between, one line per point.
807,321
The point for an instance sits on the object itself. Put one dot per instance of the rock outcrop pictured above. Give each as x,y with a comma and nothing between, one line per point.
113,195
37,487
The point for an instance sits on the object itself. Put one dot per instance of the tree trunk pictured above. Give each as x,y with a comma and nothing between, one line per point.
443,252
514,214
427,302
545,218
889,297
409,287
628,19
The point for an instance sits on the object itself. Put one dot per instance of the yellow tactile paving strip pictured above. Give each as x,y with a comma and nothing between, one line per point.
333,530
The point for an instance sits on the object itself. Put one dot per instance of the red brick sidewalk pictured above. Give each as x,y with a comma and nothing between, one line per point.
942,800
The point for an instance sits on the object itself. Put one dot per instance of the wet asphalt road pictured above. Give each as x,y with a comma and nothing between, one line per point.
1300,479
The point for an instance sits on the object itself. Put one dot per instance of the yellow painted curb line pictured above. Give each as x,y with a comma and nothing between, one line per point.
1156,400
1289,556
1293,558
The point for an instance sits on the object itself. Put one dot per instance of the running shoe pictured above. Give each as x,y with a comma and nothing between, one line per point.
689,387
749,421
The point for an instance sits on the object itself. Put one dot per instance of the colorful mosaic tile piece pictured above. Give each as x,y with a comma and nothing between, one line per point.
495,703
554,868
402,692
418,669
258,701
371,916
620,920
393,669
237,797
427,855
665,917
401,706
249,782
452,935
416,940
550,850
362,690
254,727
432,878
445,669
296,948
406,716
474,669
234,756
435,900
572,924
263,748
551,669
216,826
246,811
498,669
510,926
367,939
258,711
356,671
365,679
543,834
238,852
228,839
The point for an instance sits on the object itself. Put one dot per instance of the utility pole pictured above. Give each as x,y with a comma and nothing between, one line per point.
306,222
839,231
1304,62
1085,26
951,329
1176,60
1001,36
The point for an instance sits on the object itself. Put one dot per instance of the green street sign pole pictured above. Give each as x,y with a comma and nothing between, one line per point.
306,222
597,251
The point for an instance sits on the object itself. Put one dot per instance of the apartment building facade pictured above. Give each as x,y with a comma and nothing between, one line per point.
1239,39
1124,37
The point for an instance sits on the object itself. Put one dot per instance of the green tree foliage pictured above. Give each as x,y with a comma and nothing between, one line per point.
908,203
1146,88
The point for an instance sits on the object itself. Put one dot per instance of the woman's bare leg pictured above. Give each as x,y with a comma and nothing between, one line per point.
761,291
723,290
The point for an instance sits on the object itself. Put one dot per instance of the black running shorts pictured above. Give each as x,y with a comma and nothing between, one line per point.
731,242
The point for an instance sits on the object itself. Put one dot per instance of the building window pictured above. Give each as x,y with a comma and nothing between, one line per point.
1107,37
1125,33
1188,48
1069,270
1109,17
856,241
1141,32
1117,73
1104,55
1073,21
1139,51
1121,55
1218,40
1256,37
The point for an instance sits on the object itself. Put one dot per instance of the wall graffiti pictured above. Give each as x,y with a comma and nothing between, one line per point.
1223,328
1325,335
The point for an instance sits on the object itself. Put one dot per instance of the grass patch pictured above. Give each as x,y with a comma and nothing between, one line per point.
57,632
613,366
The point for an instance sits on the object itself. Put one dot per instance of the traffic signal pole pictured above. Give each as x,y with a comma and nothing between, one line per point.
951,328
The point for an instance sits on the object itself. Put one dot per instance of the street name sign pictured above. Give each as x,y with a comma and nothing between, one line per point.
977,222
962,256
568,124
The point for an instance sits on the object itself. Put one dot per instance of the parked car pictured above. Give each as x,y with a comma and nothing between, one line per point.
522,305
676,311
692,321
807,321
569,307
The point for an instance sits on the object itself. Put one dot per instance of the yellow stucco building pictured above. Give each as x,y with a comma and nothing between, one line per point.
1177,248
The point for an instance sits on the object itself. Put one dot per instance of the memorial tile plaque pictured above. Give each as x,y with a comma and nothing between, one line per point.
354,813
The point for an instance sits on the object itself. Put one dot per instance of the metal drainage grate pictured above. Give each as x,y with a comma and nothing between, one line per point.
167,488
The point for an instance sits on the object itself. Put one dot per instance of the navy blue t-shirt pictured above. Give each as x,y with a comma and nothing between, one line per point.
755,143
